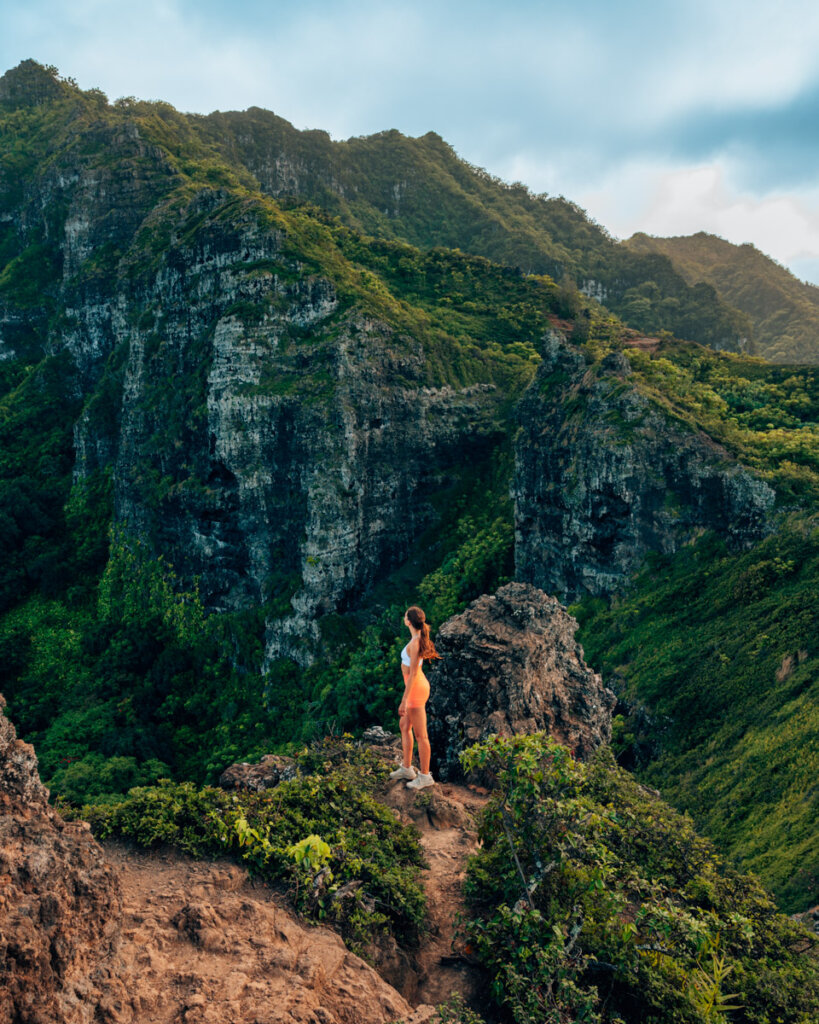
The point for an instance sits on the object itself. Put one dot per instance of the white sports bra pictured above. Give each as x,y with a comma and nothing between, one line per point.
405,658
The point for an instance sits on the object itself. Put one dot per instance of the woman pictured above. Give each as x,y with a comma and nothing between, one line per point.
412,709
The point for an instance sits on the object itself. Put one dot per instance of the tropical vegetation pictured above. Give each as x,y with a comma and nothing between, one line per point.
591,899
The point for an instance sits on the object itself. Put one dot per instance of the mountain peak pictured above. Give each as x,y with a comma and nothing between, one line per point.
30,84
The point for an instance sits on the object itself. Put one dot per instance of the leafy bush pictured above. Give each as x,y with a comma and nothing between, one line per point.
592,900
349,862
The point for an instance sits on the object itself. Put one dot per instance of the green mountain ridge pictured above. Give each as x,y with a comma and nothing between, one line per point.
419,191
783,309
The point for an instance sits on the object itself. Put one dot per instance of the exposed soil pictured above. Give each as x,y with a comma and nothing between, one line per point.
202,943
642,341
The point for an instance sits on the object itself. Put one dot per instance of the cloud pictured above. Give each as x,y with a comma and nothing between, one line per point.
683,200
771,146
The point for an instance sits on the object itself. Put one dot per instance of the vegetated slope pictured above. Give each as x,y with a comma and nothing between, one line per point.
784,311
714,654
112,305
419,191
693,643
766,416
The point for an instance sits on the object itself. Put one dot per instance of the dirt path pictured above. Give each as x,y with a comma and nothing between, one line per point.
445,815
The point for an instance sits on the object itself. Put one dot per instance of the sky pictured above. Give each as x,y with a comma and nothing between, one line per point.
668,117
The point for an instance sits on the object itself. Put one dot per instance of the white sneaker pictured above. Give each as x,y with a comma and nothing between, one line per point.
403,773
421,781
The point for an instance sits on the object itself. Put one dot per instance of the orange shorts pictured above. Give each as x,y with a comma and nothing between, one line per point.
419,694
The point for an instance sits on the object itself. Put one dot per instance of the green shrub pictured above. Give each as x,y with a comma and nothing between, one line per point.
362,873
592,900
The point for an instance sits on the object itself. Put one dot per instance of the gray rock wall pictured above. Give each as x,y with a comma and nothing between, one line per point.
603,476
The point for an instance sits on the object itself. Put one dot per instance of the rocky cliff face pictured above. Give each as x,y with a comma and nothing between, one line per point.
510,665
265,431
274,443
60,902
603,476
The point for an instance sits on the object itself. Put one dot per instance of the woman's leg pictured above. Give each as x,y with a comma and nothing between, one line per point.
406,739
418,723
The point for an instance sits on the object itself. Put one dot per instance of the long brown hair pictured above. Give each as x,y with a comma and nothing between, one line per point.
426,648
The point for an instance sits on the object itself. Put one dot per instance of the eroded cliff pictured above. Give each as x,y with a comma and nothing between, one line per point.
604,475
60,901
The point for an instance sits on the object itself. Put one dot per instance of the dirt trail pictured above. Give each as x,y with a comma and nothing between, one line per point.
445,814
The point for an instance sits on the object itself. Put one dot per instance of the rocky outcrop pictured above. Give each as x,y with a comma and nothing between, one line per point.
253,778
60,903
510,665
205,945
604,475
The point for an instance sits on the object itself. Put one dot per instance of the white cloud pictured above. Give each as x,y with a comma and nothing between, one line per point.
681,201
737,54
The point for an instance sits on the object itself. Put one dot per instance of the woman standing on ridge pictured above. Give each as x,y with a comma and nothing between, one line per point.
412,709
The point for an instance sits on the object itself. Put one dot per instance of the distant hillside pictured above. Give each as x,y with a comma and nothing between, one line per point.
712,653
784,310
418,190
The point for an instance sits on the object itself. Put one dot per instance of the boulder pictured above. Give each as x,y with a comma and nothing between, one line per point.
268,773
510,665
377,735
